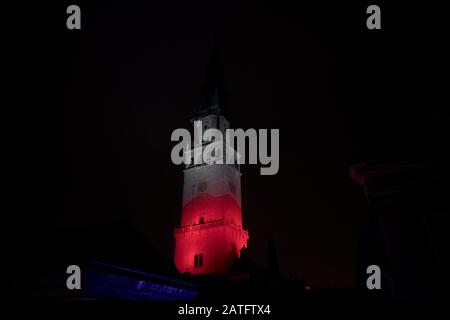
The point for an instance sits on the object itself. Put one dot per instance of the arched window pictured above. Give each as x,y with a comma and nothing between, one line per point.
202,220
200,260
196,261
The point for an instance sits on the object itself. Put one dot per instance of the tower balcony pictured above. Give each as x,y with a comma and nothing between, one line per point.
207,225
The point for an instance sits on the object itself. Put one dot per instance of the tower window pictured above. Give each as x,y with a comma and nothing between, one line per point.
201,187
232,187
198,260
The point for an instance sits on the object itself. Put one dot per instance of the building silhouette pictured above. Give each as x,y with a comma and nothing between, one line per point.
406,234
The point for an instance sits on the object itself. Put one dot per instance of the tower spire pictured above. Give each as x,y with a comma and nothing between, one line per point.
213,96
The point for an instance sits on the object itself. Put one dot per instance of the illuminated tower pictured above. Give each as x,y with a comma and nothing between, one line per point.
211,234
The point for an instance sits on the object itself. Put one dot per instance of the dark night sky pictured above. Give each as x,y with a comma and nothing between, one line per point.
92,113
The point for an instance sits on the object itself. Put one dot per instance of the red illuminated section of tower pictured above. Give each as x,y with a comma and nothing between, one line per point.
211,234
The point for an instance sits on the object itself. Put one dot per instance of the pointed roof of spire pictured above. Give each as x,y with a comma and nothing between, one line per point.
214,96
